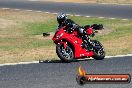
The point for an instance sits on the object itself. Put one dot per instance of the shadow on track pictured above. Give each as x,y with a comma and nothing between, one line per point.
59,61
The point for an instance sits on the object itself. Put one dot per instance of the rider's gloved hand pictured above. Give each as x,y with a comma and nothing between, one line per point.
97,26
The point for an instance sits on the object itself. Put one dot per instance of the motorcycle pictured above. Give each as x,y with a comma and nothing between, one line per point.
70,46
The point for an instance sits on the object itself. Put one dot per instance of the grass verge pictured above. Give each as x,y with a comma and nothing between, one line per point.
21,35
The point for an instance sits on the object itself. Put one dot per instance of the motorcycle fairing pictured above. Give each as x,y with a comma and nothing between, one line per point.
62,37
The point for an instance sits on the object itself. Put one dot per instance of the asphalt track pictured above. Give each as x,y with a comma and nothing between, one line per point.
62,75
97,10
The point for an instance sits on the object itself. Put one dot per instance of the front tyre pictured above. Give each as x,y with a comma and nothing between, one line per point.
99,51
65,54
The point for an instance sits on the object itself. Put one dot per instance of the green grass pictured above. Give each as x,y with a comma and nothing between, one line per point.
117,33
39,28
24,43
120,28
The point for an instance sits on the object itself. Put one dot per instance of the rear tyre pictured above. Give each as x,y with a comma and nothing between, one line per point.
66,55
99,52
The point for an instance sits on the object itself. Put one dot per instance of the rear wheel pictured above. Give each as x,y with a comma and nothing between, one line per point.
65,54
99,52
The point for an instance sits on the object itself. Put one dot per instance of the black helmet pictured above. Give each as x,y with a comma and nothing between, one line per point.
61,17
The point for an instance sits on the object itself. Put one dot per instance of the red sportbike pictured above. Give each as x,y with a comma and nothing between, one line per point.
70,46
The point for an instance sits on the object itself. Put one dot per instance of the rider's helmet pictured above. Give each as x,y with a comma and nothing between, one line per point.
61,18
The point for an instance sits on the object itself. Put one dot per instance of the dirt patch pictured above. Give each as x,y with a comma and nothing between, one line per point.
11,21
119,46
28,55
8,28
6,23
14,45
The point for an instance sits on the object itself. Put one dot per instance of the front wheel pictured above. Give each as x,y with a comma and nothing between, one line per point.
99,51
65,54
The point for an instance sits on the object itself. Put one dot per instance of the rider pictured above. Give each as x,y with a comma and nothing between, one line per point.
64,21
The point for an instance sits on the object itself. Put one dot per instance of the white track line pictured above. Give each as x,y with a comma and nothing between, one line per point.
47,12
119,56
29,10
54,13
20,63
112,18
57,13
32,0
35,62
88,16
124,19
114,4
17,9
101,17
77,15
38,11
5,8
68,14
